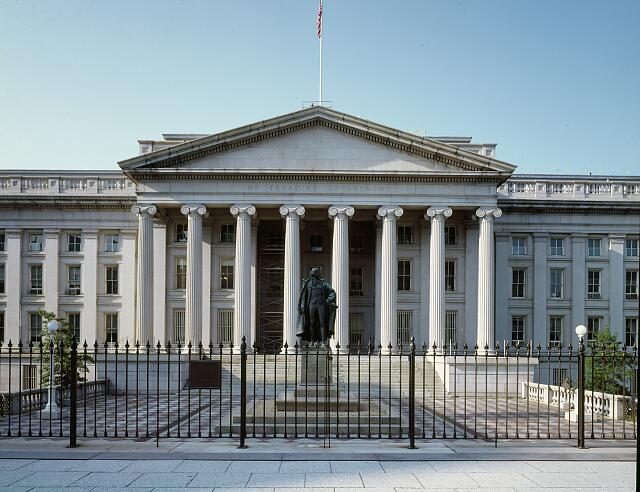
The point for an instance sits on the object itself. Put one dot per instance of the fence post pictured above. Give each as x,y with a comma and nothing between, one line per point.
581,394
243,393
73,404
412,394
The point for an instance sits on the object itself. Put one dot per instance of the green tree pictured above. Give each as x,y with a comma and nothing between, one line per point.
62,342
608,368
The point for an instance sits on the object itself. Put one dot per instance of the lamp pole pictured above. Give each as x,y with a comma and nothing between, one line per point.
52,410
581,331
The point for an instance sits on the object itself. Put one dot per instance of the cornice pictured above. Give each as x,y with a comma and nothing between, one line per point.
19,202
555,207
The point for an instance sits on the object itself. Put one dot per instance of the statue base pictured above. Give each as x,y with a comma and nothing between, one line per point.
315,367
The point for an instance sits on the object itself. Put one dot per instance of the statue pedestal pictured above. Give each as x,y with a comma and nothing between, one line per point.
315,367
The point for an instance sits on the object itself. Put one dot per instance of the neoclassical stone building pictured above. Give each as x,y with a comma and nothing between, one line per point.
208,237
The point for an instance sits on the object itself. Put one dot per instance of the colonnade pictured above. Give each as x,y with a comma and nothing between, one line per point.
340,214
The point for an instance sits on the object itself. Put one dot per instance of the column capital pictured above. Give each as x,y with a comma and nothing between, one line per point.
242,208
291,211
390,211
488,213
438,213
337,210
193,210
141,209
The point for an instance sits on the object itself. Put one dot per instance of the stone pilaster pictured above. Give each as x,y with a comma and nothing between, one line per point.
242,283
145,272
389,276
617,279
127,281
536,331
13,286
193,309
578,283
51,269
159,280
486,278
437,215
292,279
340,272
89,317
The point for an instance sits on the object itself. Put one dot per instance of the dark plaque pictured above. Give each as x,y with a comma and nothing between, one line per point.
205,374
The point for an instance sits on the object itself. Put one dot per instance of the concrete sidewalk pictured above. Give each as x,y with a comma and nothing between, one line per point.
277,465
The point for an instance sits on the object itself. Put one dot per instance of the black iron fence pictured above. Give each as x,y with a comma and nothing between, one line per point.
414,393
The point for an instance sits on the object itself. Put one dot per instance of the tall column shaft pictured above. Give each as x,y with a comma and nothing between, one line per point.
340,272
486,279
145,272
388,277
51,269
89,318
13,287
193,310
254,287
242,283
438,215
292,280
375,335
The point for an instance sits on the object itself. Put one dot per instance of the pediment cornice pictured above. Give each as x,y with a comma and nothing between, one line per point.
177,156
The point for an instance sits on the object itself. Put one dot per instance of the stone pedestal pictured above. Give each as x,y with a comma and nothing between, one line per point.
315,367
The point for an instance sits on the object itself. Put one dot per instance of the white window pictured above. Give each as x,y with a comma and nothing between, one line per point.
631,332
555,331
356,326
404,275
225,326
518,327
73,280
181,233
593,327
226,273
74,242
111,329
178,326
29,377
2,274
450,276
35,326
111,243
519,246
594,246
355,281
557,283
518,282
404,234
74,323
631,284
405,327
631,247
450,327
35,242
593,284
227,233
556,246
35,286
181,272
316,243
111,277
450,235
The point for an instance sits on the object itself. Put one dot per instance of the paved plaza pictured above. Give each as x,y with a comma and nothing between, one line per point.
381,466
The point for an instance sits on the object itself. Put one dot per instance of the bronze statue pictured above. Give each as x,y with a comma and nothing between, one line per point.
316,311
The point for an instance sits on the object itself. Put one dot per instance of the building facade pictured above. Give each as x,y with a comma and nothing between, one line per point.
206,238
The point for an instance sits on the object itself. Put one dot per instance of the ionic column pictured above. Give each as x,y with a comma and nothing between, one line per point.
144,306
486,278
242,272
436,274
388,276
340,272
292,280
193,309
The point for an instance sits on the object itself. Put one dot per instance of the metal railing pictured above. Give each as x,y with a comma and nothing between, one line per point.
409,393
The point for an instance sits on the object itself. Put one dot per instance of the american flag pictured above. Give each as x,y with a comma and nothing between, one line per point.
320,20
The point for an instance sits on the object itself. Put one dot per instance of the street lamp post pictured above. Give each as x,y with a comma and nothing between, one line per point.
52,410
581,331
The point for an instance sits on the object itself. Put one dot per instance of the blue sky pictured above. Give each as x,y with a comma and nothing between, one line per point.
555,83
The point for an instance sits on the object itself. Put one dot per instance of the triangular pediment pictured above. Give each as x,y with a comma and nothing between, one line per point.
315,140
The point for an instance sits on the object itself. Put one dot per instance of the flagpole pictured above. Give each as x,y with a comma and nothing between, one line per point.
321,36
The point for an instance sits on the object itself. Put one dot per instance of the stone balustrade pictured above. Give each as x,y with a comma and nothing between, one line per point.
596,403
589,188
107,183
